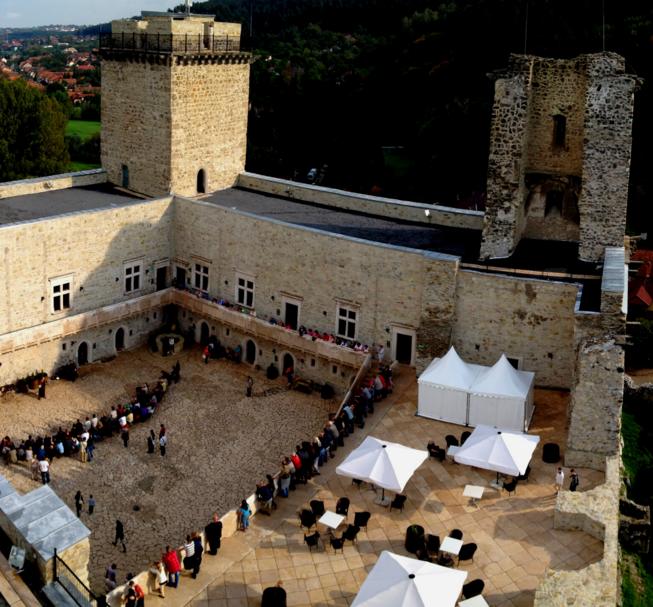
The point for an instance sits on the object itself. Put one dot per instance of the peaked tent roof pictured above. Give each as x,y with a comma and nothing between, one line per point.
451,371
503,379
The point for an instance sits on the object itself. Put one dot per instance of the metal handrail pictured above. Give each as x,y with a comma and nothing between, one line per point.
168,44
79,585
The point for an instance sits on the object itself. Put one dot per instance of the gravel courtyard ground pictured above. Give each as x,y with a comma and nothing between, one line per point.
221,443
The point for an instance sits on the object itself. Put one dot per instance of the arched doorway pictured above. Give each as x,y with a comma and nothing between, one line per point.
201,181
250,352
125,176
82,354
204,334
288,361
120,339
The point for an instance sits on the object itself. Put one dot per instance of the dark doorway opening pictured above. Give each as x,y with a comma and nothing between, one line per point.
201,182
559,131
251,352
120,339
82,354
288,362
554,200
204,331
404,348
161,276
514,362
125,176
181,277
292,314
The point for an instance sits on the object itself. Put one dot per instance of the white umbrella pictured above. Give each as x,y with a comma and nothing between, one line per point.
388,465
502,451
398,581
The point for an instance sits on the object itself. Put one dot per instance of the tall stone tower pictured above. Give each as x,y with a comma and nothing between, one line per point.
175,94
559,153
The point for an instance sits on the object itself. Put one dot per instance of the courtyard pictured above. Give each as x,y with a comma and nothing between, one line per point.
220,444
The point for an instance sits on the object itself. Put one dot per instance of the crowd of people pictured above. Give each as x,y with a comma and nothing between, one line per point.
81,438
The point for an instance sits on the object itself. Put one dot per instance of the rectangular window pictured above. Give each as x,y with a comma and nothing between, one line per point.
62,294
133,276
347,320
245,290
559,131
201,277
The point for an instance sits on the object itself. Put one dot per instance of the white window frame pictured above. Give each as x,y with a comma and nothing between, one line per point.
295,300
246,278
199,276
351,308
129,274
59,283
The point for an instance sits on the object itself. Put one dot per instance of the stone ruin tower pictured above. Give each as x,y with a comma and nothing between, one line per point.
175,100
559,153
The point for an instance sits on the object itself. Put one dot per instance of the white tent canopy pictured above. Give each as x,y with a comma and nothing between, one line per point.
382,463
398,581
444,388
498,450
502,397
452,390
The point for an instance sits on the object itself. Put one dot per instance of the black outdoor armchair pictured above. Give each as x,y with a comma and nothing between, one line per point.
467,552
342,507
337,543
432,543
511,487
474,588
307,519
361,519
350,533
451,440
398,502
524,477
456,534
312,540
317,507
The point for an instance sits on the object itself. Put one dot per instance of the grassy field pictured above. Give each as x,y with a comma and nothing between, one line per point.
84,128
73,166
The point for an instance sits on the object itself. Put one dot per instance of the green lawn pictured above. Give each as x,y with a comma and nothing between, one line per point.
84,128
73,166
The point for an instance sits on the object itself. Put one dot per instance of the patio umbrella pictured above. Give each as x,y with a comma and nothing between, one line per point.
398,581
502,451
382,463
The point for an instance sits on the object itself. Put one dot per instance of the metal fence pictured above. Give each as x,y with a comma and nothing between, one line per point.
73,586
169,43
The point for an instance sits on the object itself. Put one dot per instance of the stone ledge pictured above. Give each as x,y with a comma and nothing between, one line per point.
52,182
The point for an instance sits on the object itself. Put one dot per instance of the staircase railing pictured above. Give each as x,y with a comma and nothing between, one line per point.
76,589
353,389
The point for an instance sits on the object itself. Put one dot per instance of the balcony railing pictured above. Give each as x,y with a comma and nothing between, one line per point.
169,44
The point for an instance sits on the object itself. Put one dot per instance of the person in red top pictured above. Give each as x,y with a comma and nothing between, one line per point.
207,355
171,562
140,595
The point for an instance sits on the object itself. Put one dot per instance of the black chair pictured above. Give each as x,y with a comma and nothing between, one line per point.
398,502
473,588
451,440
511,486
423,555
445,560
464,437
307,519
551,453
312,540
338,543
356,481
524,477
342,507
467,552
317,507
442,455
274,597
432,543
350,533
361,519
456,534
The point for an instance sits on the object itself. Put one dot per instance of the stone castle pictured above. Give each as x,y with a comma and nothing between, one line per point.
174,128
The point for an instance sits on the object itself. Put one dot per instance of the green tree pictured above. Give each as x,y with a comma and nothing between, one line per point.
32,127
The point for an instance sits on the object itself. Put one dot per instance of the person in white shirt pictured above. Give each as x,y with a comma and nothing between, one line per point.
44,468
163,441
123,421
94,421
160,576
85,435
381,353
560,478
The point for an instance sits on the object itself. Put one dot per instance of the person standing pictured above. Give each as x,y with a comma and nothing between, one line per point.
381,353
199,549
140,595
120,535
151,440
264,497
162,431
171,562
130,598
79,502
124,434
205,355
42,383
111,582
243,514
250,385
90,447
176,370
44,469
213,533
163,441
189,558
560,478
575,481
91,504
160,578
289,374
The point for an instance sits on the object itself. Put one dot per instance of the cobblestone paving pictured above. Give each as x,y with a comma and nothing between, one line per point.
220,444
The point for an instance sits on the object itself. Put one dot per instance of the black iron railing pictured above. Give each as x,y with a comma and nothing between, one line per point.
168,43
73,586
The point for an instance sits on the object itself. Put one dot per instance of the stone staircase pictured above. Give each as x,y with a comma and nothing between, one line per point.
63,593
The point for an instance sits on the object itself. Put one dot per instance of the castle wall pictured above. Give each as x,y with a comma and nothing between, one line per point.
518,318
91,246
209,105
137,124
23,187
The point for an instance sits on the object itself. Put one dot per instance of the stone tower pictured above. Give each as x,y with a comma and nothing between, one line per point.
175,91
559,153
